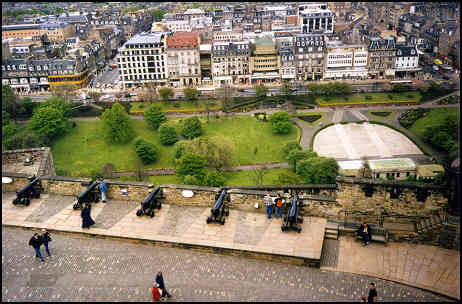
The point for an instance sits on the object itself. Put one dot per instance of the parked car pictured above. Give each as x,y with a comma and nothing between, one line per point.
127,95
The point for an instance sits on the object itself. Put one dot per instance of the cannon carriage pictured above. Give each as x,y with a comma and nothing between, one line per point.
30,191
89,195
292,220
151,202
219,210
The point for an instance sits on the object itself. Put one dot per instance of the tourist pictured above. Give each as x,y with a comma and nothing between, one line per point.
372,294
36,242
45,239
160,281
269,204
155,292
365,232
103,189
87,221
278,204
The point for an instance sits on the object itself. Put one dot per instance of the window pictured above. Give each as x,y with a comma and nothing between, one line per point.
377,175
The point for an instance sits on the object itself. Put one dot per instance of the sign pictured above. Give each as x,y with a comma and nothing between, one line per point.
6,180
187,193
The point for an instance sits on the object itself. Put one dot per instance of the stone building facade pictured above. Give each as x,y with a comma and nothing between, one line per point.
382,53
230,62
183,59
309,56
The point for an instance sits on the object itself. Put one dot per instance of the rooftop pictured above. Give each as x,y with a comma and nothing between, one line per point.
146,38
429,170
391,164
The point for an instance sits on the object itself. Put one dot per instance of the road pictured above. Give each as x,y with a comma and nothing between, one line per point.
87,269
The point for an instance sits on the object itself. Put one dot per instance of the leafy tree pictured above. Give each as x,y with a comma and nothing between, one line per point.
258,174
167,134
214,179
145,150
9,130
48,122
10,102
154,116
293,145
159,15
286,178
191,93
191,128
192,180
318,170
165,93
280,123
5,118
298,155
191,164
28,106
261,90
58,103
286,89
23,140
117,125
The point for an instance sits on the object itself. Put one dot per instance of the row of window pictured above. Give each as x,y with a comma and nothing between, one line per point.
142,65
138,71
312,43
144,46
142,58
266,66
310,49
143,77
141,52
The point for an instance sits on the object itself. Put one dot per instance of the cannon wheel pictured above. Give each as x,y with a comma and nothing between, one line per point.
151,214
76,206
227,212
301,220
222,221
283,228
298,229
139,212
16,201
159,206
209,220
27,202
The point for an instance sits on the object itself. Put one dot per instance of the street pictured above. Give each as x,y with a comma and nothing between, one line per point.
91,269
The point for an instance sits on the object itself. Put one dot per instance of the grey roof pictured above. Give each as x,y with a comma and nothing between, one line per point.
379,43
20,27
406,51
143,38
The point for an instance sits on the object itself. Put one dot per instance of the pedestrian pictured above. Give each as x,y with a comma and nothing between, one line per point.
103,189
372,294
269,204
278,206
45,239
365,232
155,292
87,221
160,281
363,299
36,242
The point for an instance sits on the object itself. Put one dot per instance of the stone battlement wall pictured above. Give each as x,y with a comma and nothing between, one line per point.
41,155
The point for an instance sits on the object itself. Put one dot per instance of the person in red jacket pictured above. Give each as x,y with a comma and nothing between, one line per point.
155,292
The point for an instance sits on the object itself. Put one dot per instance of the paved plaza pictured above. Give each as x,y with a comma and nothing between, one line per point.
355,141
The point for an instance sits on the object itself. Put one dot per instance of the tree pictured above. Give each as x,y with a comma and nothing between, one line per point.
48,122
146,151
318,170
167,134
286,178
27,106
297,155
165,94
117,125
191,93
225,94
58,103
10,102
261,91
258,174
154,116
139,171
293,145
65,91
214,179
191,164
286,89
108,170
280,123
159,15
191,128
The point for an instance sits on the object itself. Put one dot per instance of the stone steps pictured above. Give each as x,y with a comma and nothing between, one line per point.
331,231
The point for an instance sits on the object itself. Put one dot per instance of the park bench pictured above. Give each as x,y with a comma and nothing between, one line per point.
377,234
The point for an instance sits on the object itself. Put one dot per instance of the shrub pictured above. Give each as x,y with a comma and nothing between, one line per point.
48,122
289,179
146,151
368,97
288,147
191,93
390,96
214,179
165,93
318,170
192,128
280,123
191,180
117,125
154,116
167,134
191,164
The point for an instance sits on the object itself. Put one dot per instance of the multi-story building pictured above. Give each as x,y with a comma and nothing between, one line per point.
309,56
57,31
20,31
315,18
227,35
407,62
288,70
231,62
265,62
178,26
382,54
193,13
345,61
183,59
142,59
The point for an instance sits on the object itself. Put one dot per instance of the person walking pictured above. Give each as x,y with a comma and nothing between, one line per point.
45,239
103,189
36,242
87,221
155,292
160,281
269,204
372,297
278,212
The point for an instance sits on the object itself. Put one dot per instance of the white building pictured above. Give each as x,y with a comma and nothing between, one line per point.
142,59
345,61
406,62
178,26
227,36
315,18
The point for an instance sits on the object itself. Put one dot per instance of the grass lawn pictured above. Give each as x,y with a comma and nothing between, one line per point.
84,148
434,117
305,117
382,114
241,178
375,98
170,105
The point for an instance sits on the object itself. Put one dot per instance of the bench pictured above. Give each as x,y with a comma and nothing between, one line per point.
378,234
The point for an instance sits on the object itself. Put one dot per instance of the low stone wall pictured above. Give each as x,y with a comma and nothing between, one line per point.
42,155
203,196
20,180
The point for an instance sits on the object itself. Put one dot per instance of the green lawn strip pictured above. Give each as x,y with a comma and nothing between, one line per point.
390,114
170,105
84,148
360,98
321,118
433,118
246,178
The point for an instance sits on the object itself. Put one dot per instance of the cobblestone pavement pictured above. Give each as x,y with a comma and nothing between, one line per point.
86,269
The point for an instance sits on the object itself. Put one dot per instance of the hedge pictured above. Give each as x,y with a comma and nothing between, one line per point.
363,103
193,110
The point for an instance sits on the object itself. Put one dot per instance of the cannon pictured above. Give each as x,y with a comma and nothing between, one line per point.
292,220
31,190
150,202
89,195
219,210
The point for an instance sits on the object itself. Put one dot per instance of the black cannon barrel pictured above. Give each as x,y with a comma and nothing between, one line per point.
88,190
28,186
151,195
219,201
293,208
